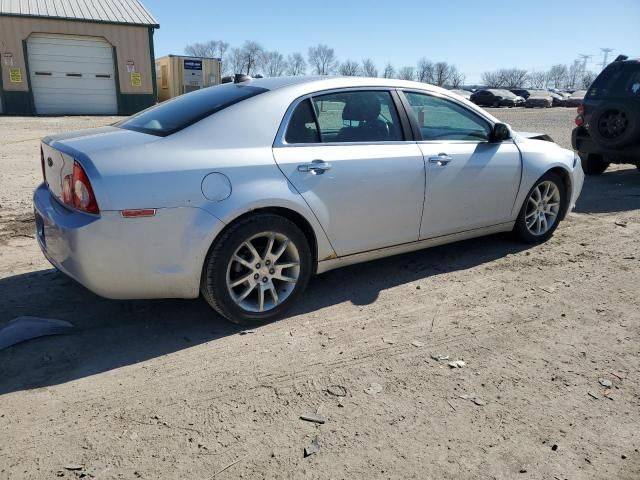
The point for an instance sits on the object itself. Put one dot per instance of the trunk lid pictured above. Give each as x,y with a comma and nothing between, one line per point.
59,153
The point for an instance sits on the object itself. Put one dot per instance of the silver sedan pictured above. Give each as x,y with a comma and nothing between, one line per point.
241,192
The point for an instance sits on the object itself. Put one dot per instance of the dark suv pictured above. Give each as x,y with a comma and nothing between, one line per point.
608,121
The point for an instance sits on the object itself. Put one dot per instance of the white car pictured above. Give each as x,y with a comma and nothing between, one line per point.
242,191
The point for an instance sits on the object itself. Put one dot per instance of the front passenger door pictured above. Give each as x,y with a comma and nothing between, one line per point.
471,182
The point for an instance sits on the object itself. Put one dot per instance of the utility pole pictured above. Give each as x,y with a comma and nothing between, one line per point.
585,59
606,52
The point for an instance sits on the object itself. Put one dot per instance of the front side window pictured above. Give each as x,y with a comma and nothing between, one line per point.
362,116
180,112
441,119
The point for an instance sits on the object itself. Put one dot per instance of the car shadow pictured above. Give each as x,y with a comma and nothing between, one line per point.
111,334
613,191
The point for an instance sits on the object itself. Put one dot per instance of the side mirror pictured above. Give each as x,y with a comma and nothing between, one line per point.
500,133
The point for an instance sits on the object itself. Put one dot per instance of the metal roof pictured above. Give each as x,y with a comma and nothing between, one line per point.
130,12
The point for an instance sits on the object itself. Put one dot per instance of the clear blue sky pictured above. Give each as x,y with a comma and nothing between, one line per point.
474,35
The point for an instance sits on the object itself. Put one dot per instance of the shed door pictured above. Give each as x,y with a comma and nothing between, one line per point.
72,74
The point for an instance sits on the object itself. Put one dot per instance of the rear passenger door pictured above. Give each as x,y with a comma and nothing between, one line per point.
345,152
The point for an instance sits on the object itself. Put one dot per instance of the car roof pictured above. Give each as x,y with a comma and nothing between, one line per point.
327,82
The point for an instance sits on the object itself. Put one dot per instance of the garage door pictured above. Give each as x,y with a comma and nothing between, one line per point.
72,74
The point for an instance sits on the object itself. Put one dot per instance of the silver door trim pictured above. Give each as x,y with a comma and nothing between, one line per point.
331,264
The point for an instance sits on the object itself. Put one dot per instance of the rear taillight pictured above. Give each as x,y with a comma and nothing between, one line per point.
580,109
579,120
77,191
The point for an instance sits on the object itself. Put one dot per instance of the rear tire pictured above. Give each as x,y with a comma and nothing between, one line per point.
593,164
541,211
257,269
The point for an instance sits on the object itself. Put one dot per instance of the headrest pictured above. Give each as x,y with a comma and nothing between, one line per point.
358,108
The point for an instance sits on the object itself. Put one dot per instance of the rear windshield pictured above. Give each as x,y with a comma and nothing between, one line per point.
180,112
619,79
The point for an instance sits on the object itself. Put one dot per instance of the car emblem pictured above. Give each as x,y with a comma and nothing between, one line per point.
50,162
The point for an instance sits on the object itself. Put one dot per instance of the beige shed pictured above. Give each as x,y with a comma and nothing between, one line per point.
177,74
66,57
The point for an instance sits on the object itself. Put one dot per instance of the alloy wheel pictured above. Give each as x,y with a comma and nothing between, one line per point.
263,271
543,207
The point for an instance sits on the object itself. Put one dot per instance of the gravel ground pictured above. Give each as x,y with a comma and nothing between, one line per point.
166,389
556,122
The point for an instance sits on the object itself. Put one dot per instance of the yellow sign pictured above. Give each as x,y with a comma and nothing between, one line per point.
136,80
15,75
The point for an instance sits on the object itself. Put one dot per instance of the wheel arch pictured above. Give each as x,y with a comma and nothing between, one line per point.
291,215
564,174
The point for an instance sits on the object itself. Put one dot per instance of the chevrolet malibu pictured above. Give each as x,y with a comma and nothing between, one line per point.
241,192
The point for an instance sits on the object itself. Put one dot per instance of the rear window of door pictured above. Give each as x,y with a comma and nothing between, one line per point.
345,117
441,119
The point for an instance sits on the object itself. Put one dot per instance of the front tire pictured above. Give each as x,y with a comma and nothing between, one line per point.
257,269
540,214
593,164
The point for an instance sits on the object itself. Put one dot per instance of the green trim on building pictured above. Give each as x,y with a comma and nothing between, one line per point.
17,103
130,103
154,83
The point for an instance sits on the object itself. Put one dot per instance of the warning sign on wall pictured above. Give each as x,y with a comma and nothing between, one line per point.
15,75
7,58
131,66
136,80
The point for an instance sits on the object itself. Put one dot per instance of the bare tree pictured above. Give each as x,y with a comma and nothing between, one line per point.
212,48
574,73
492,79
349,68
252,53
557,75
537,79
441,73
513,77
456,78
235,61
389,71
296,65
425,71
407,73
322,59
587,79
369,68
273,64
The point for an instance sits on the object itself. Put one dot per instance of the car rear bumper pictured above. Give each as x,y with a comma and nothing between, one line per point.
582,143
126,258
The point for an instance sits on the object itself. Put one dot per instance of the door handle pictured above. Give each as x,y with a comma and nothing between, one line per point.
441,159
316,167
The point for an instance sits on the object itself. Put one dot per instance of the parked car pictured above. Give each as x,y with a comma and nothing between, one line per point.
521,92
240,192
493,97
466,94
558,98
575,98
539,98
608,121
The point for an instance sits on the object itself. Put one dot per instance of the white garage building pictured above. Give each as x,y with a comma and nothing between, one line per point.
60,57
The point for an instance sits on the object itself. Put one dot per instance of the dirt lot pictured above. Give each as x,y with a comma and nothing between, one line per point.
166,389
